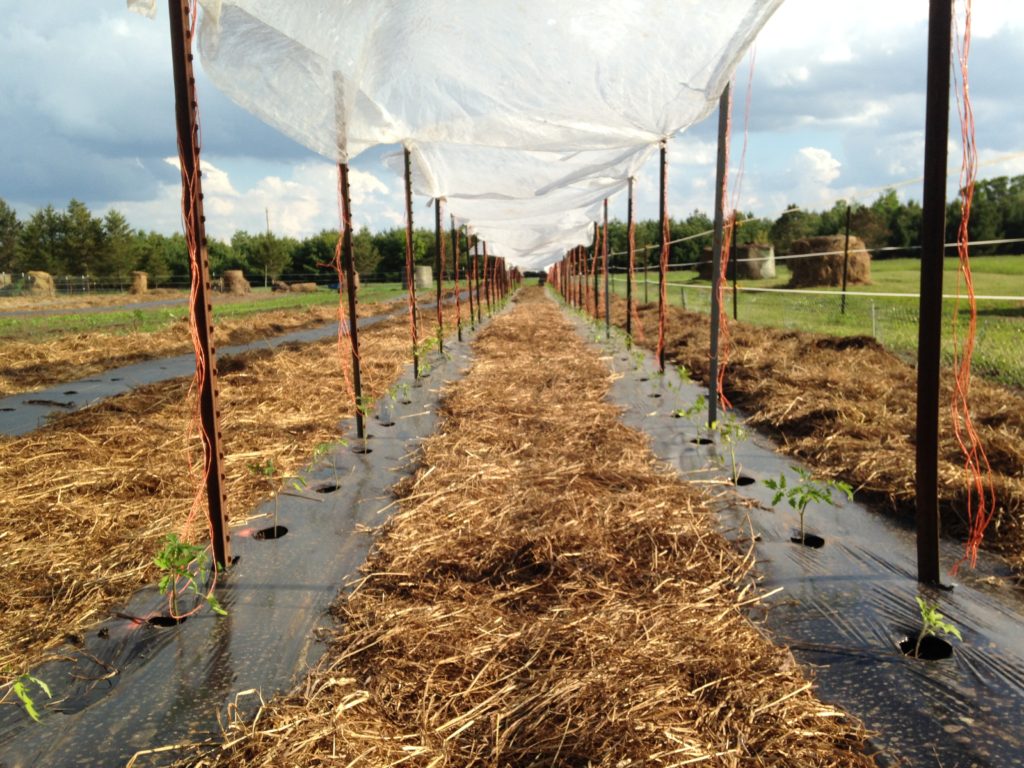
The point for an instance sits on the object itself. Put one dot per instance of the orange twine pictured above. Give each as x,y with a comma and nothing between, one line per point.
981,499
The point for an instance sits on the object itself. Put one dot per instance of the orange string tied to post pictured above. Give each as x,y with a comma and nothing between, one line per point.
981,498
730,231
189,198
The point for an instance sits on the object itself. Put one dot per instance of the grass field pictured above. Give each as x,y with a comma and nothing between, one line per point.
149,319
999,348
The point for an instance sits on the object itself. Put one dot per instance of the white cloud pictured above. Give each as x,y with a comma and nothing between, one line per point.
816,165
298,205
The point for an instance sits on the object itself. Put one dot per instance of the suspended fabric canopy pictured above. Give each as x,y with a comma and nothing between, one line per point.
512,110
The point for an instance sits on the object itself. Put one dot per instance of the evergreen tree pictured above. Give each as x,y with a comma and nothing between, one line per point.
10,228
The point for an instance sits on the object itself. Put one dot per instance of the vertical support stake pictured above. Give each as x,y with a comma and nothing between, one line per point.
185,102
716,252
933,226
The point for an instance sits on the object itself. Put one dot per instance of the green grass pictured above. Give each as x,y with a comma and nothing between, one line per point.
999,350
148,320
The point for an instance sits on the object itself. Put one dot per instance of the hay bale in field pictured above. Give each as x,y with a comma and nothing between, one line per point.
423,277
280,286
755,261
302,287
140,283
235,282
41,284
827,269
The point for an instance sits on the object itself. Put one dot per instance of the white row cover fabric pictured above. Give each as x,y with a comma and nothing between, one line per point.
482,90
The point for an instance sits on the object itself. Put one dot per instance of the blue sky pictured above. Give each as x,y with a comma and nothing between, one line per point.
86,111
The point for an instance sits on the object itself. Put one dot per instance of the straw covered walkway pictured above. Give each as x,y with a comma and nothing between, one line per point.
547,594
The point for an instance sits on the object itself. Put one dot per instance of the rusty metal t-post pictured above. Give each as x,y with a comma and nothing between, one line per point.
716,251
933,226
663,228
348,264
410,264
186,113
597,273
631,255
455,259
439,266
604,265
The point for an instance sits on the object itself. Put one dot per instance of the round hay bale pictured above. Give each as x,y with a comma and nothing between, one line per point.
755,261
424,277
140,283
280,286
302,287
827,269
41,284
235,282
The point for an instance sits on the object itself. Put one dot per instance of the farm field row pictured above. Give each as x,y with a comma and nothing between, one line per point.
546,594
848,409
29,362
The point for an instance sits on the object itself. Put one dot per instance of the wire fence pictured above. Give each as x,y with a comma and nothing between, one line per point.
891,319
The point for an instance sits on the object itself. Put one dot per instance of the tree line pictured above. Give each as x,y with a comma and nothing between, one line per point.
75,242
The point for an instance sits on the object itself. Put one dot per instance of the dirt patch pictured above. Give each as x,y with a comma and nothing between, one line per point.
547,595
848,408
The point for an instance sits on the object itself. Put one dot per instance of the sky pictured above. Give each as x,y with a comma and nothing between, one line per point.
836,112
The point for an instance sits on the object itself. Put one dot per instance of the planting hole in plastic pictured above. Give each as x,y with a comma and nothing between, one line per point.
326,487
655,394
932,648
71,392
745,480
702,441
165,621
809,540
6,410
273,532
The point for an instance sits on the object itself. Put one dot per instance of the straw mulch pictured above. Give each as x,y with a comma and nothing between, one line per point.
89,498
848,407
27,365
547,595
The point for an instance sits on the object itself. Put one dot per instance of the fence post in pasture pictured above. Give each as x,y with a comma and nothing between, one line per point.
716,252
348,264
933,225
195,236
410,276
594,269
631,255
846,261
